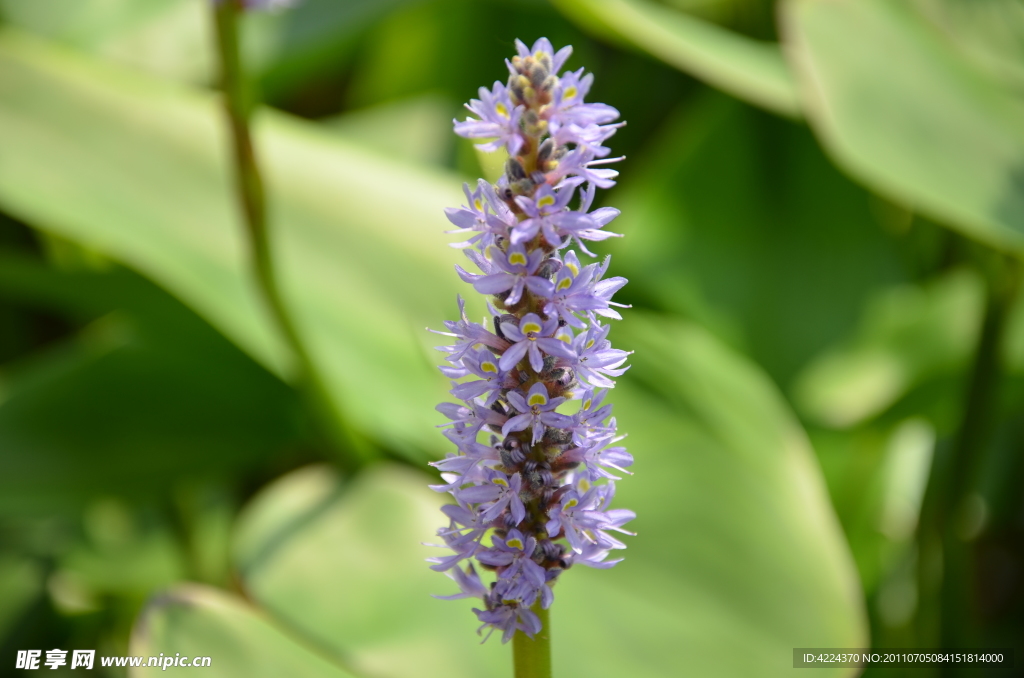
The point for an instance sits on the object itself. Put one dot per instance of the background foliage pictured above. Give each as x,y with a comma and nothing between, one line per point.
823,206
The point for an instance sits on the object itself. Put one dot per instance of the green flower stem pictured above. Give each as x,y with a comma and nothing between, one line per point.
942,535
532,658
351,448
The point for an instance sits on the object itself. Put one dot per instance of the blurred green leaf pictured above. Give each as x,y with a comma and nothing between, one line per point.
345,565
173,38
417,129
286,49
21,580
907,335
122,557
166,37
911,116
198,621
346,222
877,474
736,219
989,33
145,395
736,540
748,69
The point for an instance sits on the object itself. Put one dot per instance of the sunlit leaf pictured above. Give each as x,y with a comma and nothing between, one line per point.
748,69
894,98
780,272
166,37
173,38
196,621
735,539
362,254
908,334
876,476
417,129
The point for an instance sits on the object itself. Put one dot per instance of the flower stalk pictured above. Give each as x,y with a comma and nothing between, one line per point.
534,471
531,657
238,104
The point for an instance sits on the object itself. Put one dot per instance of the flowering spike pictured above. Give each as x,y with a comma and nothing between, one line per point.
539,490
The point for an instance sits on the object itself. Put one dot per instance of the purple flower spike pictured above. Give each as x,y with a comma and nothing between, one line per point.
533,486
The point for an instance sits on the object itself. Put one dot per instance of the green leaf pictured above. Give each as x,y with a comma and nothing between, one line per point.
736,539
774,256
170,38
416,129
173,38
286,49
144,396
197,621
747,69
877,476
908,335
21,581
360,240
894,98
307,540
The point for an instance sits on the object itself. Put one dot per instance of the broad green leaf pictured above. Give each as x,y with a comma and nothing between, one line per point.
241,642
417,129
362,255
747,69
345,565
287,48
173,38
900,106
144,396
908,334
775,256
877,476
736,539
989,33
170,38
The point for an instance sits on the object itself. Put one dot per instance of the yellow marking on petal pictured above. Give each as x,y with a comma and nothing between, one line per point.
501,110
500,481
569,93
515,543
584,484
573,267
564,284
564,336
569,504
546,201
517,258
478,204
531,327
488,367
586,404
537,399
590,343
